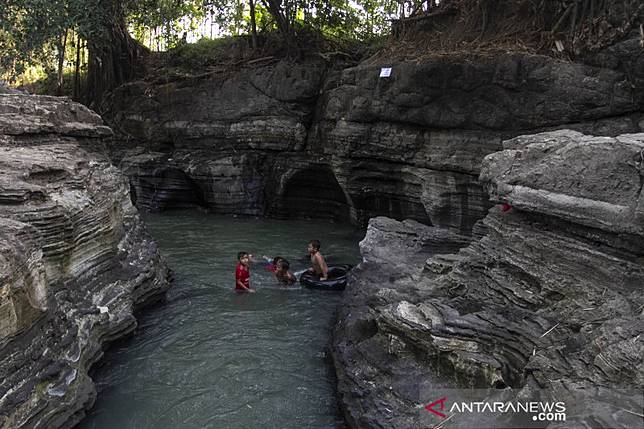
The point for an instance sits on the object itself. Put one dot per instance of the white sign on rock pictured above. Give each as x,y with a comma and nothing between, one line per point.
385,72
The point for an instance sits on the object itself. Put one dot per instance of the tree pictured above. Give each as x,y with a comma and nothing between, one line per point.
253,24
44,31
31,27
114,56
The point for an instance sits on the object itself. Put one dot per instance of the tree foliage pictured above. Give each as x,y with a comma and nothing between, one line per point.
104,39
35,31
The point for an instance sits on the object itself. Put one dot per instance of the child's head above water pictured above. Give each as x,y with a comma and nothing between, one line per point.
284,265
277,259
242,257
314,245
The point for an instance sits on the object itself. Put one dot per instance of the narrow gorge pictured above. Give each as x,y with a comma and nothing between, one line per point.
501,194
318,140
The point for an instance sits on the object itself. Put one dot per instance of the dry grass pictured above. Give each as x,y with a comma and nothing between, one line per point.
529,26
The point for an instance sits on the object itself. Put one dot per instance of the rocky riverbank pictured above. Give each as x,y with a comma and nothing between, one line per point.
313,138
75,259
546,299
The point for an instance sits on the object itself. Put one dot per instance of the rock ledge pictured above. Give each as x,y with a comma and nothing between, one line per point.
547,302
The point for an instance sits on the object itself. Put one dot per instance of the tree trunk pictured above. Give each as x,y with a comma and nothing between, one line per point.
275,9
114,56
168,35
76,90
573,23
253,24
61,63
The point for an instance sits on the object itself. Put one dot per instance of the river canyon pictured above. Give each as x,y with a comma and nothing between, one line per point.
501,196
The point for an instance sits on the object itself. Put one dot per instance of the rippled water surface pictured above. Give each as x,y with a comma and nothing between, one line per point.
212,358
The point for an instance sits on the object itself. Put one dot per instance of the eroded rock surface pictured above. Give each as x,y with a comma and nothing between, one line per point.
294,138
75,259
548,301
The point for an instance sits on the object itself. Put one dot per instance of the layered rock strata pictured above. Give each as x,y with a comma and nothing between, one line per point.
309,138
75,259
548,301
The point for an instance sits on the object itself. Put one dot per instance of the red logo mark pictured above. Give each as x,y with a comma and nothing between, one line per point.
431,406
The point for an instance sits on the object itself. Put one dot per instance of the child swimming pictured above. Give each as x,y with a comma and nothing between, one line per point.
242,273
271,263
283,274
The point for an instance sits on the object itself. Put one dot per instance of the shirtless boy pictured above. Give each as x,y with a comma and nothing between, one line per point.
283,274
317,260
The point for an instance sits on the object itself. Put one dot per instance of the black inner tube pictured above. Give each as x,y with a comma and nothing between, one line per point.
337,278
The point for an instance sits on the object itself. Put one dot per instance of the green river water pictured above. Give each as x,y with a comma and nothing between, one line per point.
211,358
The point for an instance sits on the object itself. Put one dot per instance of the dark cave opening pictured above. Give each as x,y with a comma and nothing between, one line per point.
313,193
397,206
168,189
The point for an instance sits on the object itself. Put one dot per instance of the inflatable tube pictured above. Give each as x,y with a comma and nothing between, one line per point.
337,278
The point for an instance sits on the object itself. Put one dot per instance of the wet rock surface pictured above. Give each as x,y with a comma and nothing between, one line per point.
75,259
547,301
258,141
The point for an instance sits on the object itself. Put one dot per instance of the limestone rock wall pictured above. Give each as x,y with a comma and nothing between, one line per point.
548,301
409,146
71,243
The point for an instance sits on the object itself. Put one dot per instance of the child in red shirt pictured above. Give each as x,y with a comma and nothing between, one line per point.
242,273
